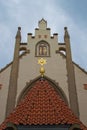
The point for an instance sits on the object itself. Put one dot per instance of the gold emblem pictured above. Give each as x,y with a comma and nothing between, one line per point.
42,61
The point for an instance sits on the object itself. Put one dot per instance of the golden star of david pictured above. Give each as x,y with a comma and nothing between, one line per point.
42,61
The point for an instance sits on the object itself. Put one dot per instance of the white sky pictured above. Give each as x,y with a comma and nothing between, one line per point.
58,13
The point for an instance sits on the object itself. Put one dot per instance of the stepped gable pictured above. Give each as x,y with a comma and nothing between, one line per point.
42,106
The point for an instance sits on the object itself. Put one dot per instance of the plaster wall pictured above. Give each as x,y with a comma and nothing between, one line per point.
81,79
4,80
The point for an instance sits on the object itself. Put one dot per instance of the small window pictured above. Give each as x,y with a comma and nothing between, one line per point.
85,86
42,49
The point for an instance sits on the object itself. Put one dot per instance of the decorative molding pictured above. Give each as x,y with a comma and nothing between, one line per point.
30,84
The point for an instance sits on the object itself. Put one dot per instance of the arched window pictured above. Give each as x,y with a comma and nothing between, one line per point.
62,50
42,49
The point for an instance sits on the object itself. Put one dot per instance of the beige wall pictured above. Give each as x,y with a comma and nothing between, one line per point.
4,80
81,79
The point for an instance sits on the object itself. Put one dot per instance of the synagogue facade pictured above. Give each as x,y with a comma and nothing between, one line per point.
42,85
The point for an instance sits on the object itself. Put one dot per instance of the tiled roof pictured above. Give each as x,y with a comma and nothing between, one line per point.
42,105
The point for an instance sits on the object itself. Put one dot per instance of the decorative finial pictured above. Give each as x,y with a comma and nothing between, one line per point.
65,28
42,24
42,62
19,28
18,35
66,33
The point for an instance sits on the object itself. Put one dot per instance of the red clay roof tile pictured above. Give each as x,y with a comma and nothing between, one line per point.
42,105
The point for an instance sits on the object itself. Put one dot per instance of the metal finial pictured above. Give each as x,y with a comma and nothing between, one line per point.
42,62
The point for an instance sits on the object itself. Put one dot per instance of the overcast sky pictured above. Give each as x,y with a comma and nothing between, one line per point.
58,13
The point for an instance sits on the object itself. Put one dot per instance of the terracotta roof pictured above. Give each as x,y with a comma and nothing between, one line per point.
42,105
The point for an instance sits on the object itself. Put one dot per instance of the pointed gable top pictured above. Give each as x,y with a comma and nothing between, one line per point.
42,24
42,105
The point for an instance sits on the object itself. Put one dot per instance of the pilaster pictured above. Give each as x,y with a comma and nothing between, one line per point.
14,75
71,76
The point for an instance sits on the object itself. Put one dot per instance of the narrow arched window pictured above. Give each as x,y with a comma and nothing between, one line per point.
42,49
